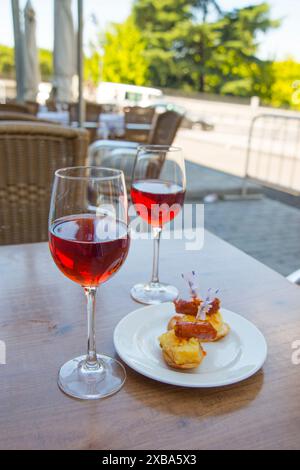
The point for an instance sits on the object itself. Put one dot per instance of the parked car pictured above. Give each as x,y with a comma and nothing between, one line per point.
127,95
190,120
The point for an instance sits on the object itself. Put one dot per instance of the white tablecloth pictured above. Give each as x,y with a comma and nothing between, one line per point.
60,116
111,125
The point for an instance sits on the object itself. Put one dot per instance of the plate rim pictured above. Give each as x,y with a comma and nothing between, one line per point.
178,383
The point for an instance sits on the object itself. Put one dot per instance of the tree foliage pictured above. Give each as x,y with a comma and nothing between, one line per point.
93,66
7,62
285,89
46,63
188,51
190,45
164,25
231,63
124,59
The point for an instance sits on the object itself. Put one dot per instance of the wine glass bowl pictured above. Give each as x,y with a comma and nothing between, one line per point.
82,253
89,242
161,199
157,192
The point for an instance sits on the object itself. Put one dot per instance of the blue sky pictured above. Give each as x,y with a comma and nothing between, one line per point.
276,44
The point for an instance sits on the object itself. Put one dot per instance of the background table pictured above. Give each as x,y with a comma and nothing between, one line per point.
111,124
43,323
62,117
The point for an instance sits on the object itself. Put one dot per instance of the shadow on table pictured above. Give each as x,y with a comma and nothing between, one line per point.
192,402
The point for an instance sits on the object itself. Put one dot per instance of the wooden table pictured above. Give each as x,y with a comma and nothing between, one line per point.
43,324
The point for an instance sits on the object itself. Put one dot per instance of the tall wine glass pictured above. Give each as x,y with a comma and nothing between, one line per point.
89,242
158,191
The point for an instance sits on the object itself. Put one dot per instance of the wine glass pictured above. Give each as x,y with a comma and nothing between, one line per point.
89,242
157,192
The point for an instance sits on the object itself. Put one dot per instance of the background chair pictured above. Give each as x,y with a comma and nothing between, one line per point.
138,116
114,154
13,116
122,155
14,108
165,128
51,105
33,107
29,155
92,111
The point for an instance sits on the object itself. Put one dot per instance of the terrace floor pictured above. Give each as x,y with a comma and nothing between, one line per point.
267,229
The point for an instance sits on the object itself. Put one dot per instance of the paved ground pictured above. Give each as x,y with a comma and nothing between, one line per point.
202,181
275,143
266,229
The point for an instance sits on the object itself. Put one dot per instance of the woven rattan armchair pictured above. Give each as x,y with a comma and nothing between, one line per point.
14,107
92,111
165,128
33,107
136,115
51,105
114,154
10,116
29,155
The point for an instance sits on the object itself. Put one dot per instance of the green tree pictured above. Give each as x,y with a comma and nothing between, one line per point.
164,27
124,58
93,65
204,6
186,50
46,64
232,60
7,62
285,89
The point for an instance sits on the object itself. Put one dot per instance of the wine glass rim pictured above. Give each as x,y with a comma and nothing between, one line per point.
160,148
114,173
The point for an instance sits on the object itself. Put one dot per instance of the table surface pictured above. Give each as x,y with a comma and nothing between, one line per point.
42,322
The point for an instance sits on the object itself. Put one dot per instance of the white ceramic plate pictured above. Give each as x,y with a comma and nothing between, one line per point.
234,358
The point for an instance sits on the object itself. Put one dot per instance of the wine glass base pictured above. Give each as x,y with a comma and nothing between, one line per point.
154,293
76,380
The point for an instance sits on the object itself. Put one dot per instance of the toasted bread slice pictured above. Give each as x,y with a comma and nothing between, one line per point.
181,353
173,364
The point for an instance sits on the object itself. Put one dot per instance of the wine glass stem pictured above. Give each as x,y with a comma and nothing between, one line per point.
91,359
156,236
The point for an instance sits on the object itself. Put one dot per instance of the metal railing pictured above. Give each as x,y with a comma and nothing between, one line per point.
273,153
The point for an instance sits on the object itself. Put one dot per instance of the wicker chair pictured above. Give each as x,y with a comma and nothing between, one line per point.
14,108
33,107
122,156
29,155
10,116
138,115
114,154
51,105
92,111
165,128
